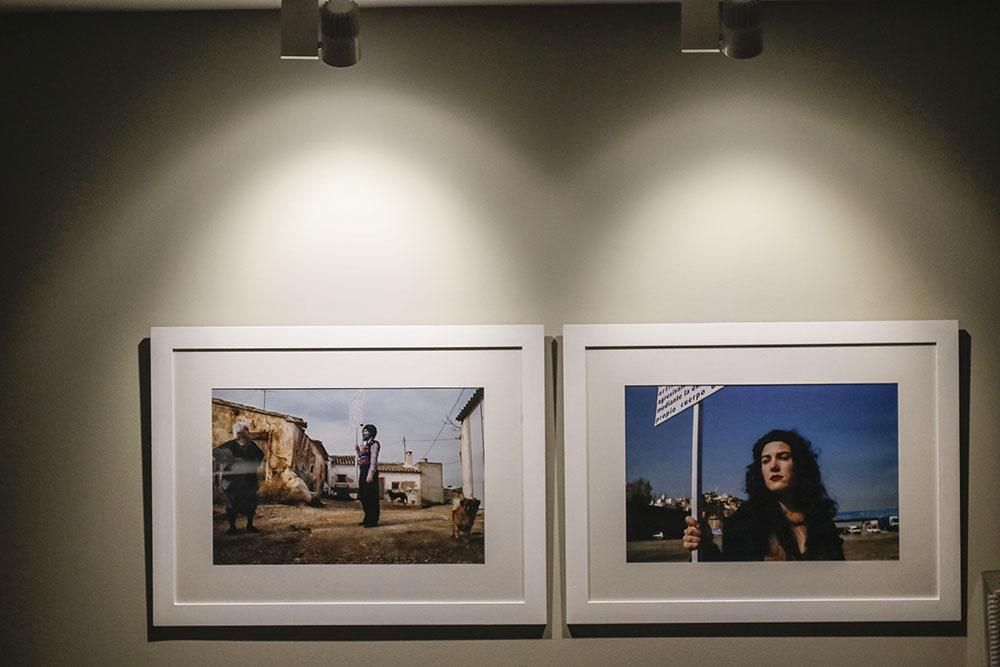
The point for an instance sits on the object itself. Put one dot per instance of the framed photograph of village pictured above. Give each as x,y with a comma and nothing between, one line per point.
771,472
292,469
306,476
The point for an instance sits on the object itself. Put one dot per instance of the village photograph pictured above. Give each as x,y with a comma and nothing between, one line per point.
781,473
348,476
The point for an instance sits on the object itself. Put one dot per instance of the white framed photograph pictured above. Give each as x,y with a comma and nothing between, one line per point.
767,472
370,475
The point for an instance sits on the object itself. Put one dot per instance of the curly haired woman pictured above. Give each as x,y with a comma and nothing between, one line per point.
788,514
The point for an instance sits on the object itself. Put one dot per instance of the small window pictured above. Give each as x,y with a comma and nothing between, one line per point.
341,478
395,486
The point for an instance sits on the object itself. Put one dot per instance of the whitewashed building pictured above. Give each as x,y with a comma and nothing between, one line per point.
472,453
422,482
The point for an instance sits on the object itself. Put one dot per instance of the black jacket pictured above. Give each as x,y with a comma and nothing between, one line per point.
746,536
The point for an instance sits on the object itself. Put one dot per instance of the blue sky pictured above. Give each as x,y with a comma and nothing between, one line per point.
854,426
417,414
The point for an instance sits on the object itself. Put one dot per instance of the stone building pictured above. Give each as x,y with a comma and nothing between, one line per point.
295,465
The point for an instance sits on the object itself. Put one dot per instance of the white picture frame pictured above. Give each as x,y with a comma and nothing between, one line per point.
923,585
509,588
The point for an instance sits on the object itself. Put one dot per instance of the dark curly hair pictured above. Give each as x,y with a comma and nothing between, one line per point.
807,485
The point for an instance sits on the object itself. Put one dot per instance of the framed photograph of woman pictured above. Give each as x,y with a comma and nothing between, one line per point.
348,476
786,472
762,472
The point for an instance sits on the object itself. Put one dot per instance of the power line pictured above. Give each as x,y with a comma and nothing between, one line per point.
423,440
444,423
460,392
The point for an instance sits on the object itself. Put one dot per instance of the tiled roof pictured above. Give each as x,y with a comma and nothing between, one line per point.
394,466
470,405
383,466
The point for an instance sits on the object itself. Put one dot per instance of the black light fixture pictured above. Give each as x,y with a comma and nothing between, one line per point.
734,30
339,26
741,28
332,35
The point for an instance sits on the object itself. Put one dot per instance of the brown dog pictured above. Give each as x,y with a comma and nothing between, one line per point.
463,516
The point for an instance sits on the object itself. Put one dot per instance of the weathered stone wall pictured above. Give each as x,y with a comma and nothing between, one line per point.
278,436
309,462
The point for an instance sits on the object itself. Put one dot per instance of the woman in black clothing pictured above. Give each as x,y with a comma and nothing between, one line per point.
788,514
367,453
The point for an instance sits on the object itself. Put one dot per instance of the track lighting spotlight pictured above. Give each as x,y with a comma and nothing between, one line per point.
337,30
339,25
735,30
741,28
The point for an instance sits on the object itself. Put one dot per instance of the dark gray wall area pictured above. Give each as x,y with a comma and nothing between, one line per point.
481,165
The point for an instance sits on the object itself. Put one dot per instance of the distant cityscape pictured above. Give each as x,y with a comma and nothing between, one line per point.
719,506
716,504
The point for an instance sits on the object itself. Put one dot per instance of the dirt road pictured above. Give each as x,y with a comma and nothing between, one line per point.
331,534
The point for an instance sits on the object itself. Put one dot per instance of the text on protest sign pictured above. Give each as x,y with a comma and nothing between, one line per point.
674,399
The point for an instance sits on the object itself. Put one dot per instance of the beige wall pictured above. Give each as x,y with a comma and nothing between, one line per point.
431,482
501,165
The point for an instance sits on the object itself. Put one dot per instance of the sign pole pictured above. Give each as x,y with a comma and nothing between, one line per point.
696,470
672,400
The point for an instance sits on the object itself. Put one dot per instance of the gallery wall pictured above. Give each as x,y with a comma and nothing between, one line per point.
481,165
